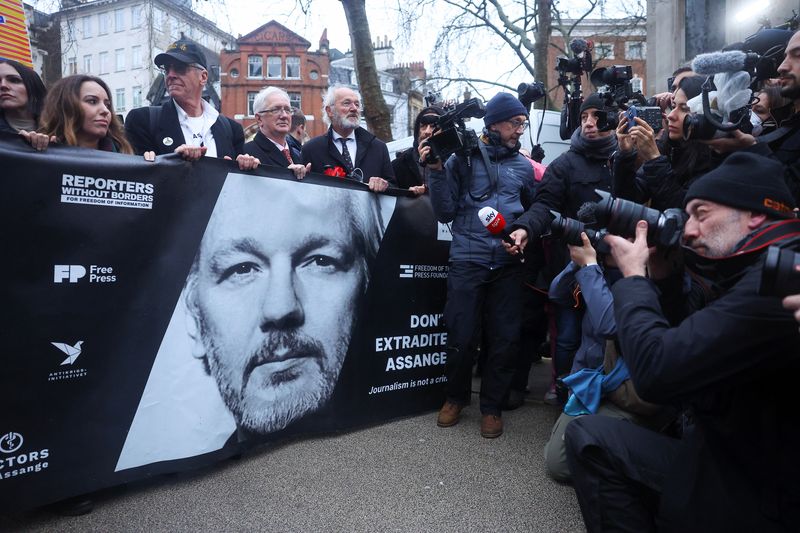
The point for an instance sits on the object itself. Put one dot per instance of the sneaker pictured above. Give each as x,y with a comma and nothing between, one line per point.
449,414
491,426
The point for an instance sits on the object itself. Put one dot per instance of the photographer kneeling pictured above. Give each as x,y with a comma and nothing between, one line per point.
483,280
733,362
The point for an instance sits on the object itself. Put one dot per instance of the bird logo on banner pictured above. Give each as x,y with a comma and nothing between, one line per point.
72,351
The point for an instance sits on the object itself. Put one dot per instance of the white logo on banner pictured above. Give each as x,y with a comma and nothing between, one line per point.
72,352
423,271
107,192
97,273
10,442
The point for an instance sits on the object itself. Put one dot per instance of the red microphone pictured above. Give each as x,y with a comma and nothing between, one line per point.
495,223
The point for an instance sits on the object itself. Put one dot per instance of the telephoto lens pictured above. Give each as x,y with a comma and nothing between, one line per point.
620,217
779,276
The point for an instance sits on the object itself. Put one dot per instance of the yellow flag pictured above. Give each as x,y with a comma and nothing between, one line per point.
14,41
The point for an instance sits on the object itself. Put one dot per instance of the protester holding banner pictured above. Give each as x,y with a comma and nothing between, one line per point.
78,112
21,97
187,124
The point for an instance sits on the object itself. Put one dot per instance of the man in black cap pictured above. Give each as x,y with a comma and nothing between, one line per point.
407,170
569,182
732,360
483,281
186,124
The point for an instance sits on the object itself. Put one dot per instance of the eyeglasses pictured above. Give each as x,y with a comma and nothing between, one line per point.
276,111
179,68
517,124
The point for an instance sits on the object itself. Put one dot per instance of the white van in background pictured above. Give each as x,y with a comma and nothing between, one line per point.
549,137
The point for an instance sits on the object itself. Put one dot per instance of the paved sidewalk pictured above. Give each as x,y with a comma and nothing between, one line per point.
407,475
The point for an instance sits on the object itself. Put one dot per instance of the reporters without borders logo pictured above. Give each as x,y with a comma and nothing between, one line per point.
74,273
106,192
423,271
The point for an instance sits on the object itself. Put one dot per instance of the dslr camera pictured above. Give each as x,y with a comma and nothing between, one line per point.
451,135
779,276
569,230
619,217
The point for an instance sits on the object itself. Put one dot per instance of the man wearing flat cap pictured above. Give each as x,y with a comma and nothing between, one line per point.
186,124
727,355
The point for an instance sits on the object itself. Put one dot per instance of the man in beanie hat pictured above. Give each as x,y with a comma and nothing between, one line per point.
568,183
484,284
186,124
732,361
407,170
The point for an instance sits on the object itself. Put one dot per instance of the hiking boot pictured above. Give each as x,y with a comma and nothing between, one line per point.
449,414
491,426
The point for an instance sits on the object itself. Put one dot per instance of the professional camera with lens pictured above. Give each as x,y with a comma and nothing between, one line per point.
620,216
528,93
569,230
570,70
451,135
779,275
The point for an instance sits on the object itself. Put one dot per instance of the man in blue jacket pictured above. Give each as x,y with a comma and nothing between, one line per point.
483,281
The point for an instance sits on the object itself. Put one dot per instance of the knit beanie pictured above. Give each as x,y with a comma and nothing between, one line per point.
502,107
593,101
746,181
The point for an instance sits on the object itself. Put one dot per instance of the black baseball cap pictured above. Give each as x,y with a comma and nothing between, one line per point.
182,50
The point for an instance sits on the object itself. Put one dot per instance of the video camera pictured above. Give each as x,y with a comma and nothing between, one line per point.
528,93
450,135
758,57
576,66
779,276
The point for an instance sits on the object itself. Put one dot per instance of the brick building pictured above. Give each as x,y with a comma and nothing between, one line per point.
616,42
275,55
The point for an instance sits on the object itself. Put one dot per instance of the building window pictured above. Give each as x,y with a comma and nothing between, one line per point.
603,51
251,98
119,100
293,67
274,67
87,26
104,63
119,20
119,59
136,56
72,66
87,64
295,100
234,73
136,98
636,83
255,66
314,74
635,50
136,16
103,20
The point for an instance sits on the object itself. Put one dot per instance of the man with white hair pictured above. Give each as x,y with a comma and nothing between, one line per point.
346,145
270,145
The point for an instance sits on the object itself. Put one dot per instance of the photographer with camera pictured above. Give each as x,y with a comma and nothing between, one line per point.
731,358
668,167
407,169
483,281
569,182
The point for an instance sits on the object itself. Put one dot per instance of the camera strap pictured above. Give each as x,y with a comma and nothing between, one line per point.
492,182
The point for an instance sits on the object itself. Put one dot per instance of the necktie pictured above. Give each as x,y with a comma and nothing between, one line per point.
288,156
346,154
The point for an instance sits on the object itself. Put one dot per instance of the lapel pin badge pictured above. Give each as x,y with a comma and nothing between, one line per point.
167,141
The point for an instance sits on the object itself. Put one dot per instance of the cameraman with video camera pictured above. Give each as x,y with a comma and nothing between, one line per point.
724,352
483,280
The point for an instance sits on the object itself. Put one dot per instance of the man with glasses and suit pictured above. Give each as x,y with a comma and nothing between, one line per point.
347,145
187,124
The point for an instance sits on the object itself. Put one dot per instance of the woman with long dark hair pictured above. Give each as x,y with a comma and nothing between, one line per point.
668,166
78,112
22,94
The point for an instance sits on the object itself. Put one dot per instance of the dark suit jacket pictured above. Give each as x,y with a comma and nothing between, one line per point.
294,143
372,156
269,154
406,169
145,136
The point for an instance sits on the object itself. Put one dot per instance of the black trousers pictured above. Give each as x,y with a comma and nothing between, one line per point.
618,471
472,291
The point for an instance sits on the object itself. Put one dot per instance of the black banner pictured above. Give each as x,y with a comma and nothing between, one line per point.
162,316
